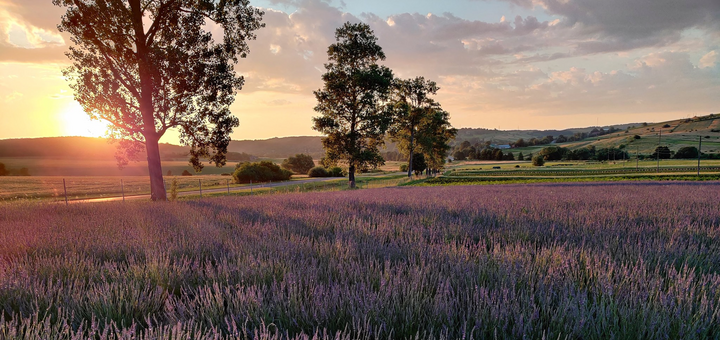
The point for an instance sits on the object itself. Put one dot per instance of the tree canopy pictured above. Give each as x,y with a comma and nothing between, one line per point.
351,103
147,66
299,164
419,122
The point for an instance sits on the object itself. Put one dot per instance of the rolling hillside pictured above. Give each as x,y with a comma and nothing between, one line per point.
478,135
675,134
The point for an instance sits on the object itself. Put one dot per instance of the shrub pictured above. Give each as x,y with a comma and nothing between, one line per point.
318,171
174,189
299,164
403,167
687,152
538,160
336,171
263,171
663,152
186,173
553,153
169,173
3,171
636,137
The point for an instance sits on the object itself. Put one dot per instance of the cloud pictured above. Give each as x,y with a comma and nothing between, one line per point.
13,96
566,58
28,32
709,59
621,25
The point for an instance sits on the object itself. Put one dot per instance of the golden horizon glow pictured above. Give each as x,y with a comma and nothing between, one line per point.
75,122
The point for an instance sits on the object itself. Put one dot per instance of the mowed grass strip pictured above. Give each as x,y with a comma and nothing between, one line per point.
578,261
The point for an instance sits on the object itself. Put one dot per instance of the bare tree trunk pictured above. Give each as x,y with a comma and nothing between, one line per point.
412,151
157,185
351,175
147,109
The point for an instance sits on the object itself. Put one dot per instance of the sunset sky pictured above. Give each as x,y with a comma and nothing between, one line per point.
509,64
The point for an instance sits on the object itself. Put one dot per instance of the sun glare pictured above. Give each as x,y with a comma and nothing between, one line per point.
77,123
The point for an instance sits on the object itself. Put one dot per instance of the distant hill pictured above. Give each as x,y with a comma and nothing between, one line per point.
479,135
280,147
674,134
678,133
72,148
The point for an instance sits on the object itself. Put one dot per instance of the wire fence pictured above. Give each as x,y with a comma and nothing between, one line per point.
50,188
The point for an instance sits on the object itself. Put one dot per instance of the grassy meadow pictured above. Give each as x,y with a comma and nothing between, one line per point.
82,187
543,261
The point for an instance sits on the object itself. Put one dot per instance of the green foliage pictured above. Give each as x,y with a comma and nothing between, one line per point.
419,123
336,171
299,164
263,171
318,171
419,165
553,153
403,167
663,152
538,160
687,152
174,189
352,116
582,154
459,155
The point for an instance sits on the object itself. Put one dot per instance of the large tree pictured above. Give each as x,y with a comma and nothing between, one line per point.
415,119
147,66
434,141
351,103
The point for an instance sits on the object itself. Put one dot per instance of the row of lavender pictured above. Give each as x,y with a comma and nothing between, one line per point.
589,261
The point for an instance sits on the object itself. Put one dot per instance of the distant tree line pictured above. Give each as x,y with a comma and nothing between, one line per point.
557,153
480,151
13,172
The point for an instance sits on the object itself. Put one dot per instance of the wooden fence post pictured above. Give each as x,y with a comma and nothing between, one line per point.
65,189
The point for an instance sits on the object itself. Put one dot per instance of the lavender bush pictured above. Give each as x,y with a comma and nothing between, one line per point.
544,261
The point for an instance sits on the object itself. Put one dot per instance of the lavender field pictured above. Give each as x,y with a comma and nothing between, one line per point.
543,261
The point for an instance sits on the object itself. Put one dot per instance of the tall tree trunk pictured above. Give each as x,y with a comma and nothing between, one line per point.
351,175
157,185
147,109
412,151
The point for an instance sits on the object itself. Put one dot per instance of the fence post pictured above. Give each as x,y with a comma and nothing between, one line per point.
122,188
200,182
65,189
699,152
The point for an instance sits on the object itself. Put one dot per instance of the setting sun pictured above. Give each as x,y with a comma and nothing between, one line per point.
75,122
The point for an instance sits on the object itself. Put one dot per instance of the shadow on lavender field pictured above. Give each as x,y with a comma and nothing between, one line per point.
578,261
